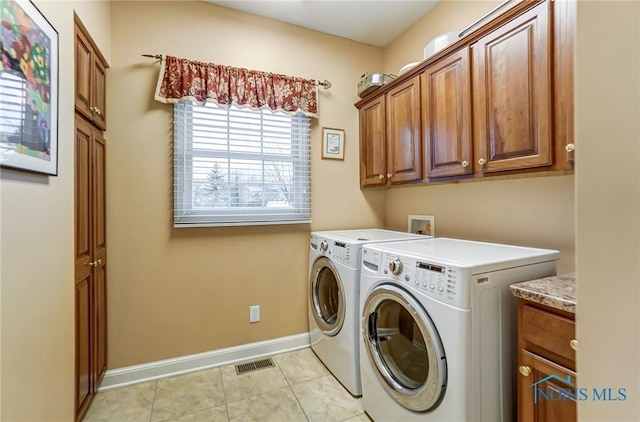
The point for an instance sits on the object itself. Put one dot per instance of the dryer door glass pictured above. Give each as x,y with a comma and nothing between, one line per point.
327,297
404,347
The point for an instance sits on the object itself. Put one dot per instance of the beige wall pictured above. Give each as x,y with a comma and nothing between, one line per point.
535,212
448,15
37,293
608,205
179,291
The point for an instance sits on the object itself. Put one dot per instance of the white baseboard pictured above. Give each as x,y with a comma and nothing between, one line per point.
121,377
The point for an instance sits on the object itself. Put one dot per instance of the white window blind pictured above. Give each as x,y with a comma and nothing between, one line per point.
13,108
240,167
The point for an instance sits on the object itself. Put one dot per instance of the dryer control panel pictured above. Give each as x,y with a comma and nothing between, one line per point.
446,283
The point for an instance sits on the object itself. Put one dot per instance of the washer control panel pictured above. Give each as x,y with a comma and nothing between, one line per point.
445,283
338,251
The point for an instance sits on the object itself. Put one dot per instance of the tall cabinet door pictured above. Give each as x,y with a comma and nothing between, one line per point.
404,143
99,246
83,265
90,218
446,116
511,99
91,261
373,146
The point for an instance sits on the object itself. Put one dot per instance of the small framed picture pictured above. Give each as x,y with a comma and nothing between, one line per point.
422,224
332,143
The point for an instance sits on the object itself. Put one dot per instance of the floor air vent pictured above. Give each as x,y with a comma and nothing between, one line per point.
243,368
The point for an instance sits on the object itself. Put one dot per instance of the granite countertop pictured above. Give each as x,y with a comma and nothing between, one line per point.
558,291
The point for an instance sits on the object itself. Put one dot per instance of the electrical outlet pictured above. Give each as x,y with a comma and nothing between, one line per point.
254,313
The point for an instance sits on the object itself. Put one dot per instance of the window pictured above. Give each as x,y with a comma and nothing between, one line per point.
13,123
240,167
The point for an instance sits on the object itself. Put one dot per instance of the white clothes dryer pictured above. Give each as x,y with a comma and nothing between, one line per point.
437,340
334,294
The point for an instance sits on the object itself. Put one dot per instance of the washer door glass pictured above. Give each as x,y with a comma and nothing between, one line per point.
327,297
404,348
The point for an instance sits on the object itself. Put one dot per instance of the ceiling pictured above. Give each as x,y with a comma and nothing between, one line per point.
368,21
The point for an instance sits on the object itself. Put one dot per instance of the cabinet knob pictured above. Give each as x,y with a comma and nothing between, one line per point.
574,344
381,176
95,263
525,370
465,164
570,147
482,161
93,109
98,111
389,175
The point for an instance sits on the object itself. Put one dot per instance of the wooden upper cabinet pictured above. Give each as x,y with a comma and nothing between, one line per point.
373,145
512,94
446,116
564,12
500,101
90,80
404,143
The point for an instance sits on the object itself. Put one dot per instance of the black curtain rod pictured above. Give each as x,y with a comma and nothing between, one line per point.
325,84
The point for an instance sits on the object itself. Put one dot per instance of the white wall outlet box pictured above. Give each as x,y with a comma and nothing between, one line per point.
422,224
254,313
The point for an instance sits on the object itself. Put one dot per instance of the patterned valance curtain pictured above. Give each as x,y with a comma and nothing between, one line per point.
187,80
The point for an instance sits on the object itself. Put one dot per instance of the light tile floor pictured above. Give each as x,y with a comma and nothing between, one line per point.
299,388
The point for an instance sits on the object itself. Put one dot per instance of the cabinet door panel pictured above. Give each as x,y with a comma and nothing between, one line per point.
404,144
549,333
446,116
83,147
84,381
99,224
512,100
564,41
547,393
373,152
99,94
83,65
99,195
99,315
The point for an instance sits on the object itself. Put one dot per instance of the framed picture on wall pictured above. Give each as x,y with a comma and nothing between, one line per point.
332,143
28,89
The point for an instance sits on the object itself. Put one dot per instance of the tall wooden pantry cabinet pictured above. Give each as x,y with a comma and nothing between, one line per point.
90,219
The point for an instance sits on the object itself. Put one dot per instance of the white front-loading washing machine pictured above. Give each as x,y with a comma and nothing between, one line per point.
334,294
437,341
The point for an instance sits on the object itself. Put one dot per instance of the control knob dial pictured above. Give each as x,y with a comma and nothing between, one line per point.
324,246
395,266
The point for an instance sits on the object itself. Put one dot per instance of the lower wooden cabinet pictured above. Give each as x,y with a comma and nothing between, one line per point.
546,377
